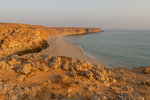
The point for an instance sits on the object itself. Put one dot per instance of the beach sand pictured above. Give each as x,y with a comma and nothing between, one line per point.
59,46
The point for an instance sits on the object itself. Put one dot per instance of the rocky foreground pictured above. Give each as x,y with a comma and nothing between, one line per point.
39,77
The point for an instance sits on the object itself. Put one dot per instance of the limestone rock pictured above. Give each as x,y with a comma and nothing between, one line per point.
146,82
54,65
147,70
26,69
65,65
3,64
72,73
44,68
88,74
21,78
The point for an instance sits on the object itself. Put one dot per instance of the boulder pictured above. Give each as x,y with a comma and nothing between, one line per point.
55,63
21,78
26,69
43,68
147,70
3,64
146,82
65,65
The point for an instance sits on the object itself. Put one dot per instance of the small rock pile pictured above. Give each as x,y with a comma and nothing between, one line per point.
28,65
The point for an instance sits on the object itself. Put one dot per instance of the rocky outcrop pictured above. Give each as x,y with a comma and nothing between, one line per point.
24,68
72,31
38,77
20,39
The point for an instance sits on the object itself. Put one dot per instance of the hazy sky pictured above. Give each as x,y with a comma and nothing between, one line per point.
107,14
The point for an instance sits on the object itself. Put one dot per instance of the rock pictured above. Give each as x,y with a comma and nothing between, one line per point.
54,65
3,65
146,82
26,69
106,83
21,78
72,73
14,61
69,90
78,68
71,68
104,98
30,74
64,78
113,80
14,97
56,59
100,77
128,96
86,65
88,74
48,81
90,88
124,79
65,65
44,68
147,70
96,98
6,87
73,60
68,95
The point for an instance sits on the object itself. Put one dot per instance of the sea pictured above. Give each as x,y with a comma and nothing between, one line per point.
116,48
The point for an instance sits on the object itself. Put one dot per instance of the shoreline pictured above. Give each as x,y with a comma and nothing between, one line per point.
60,46
102,60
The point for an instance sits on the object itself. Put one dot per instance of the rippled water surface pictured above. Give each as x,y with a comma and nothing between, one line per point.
119,48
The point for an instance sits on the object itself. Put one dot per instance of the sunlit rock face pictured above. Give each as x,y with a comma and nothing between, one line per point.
72,30
21,38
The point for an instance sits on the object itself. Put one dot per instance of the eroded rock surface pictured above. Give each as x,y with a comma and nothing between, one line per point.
21,39
38,77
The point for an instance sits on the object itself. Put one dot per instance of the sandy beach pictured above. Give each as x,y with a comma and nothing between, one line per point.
59,46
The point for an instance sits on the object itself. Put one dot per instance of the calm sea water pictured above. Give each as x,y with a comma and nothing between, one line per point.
117,48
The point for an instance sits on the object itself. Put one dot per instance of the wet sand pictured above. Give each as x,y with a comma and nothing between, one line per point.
59,46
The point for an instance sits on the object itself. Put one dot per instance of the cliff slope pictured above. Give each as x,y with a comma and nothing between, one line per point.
72,30
21,38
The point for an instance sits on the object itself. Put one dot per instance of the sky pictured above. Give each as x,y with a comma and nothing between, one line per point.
106,14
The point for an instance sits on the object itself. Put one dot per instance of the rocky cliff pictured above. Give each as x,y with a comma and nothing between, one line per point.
22,38
72,31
